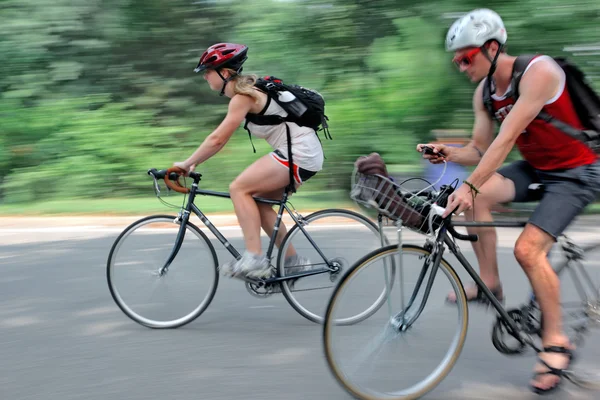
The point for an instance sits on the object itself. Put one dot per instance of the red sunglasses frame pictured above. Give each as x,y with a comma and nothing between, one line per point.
466,60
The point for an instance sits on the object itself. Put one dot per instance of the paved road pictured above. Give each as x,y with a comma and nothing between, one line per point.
62,337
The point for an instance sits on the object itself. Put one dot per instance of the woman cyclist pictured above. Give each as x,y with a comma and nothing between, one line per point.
221,66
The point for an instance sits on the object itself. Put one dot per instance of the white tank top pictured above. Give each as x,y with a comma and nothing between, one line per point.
306,148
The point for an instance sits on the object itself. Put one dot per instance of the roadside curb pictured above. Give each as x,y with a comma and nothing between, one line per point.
221,220
99,221
111,221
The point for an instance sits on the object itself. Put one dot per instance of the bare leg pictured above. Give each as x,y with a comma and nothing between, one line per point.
264,175
531,251
268,217
496,190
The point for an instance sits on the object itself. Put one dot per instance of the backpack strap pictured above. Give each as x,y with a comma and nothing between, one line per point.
519,67
325,126
261,119
274,120
292,186
249,134
518,70
584,136
487,99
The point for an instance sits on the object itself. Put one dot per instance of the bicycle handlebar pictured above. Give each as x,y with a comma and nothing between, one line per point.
161,174
460,236
171,177
439,210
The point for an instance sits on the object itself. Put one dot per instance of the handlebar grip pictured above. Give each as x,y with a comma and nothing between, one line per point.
175,184
154,172
162,173
460,236
468,237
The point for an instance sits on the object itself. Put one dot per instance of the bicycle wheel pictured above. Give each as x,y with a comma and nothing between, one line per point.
174,298
341,237
580,308
399,343
579,296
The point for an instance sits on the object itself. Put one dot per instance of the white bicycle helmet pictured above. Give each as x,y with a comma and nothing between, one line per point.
474,29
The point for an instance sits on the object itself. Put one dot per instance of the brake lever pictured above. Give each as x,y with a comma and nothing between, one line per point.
156,186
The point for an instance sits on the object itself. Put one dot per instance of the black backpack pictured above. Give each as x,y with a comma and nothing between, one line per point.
585,100
305,107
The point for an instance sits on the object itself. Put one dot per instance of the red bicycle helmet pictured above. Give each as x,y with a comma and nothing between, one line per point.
223,55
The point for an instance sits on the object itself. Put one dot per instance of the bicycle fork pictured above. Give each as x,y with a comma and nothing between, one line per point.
403,321
181,219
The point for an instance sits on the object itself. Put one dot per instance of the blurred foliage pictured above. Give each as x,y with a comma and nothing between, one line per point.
94,93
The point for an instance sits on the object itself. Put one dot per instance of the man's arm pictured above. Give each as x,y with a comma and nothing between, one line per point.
483,134
538,85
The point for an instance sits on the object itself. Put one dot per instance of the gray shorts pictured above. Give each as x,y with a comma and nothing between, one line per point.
564,196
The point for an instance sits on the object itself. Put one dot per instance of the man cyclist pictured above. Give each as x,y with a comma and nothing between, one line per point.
567,168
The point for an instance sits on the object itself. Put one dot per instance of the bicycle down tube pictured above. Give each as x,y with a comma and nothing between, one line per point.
444,236
215,231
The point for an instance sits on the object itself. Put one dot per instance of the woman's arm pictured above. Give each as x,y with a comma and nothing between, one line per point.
239,106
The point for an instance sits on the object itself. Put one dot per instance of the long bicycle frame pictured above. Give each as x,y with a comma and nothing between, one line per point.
443,239
190,207
570,249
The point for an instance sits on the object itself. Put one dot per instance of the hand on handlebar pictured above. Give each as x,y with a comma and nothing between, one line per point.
185,166
459,201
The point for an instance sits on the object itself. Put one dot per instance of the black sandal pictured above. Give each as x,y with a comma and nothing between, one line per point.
560,372
481,298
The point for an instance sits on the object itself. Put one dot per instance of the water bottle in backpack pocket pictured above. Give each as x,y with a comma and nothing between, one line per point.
291,103
305,107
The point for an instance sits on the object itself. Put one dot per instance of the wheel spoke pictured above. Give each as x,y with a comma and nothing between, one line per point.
175,298
361,365
342,237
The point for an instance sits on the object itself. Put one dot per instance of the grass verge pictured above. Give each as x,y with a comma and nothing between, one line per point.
310,201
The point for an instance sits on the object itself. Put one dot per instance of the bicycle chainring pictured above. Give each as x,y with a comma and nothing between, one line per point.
260,289
503,340
532,319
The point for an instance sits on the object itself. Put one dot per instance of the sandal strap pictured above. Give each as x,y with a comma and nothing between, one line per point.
495,291
479,296
557,349
552,371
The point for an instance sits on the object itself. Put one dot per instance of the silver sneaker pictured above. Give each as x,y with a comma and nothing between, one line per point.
250,265
296,264
228,268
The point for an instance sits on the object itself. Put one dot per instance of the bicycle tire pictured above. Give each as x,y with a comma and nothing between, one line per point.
285,288
451,358
137,317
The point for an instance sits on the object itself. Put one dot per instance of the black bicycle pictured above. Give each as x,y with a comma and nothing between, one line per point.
424,278
150,255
